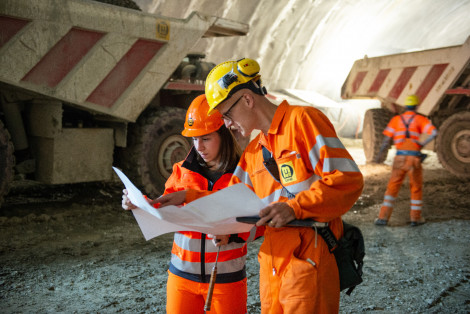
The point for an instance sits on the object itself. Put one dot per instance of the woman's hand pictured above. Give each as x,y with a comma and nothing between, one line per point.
126,202
219,240
176,198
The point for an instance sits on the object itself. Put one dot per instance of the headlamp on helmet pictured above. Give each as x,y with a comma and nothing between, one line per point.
197,122
230,76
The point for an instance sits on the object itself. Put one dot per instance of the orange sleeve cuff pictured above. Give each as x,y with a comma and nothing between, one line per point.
192,195
296,207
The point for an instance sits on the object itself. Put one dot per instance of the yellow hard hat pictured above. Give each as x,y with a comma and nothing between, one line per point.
228,77
197,122
412,100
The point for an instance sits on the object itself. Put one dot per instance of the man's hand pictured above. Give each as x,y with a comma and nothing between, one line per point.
276,215
176,198
126,202
219,240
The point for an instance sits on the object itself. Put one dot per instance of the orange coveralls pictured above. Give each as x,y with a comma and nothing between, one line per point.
407,161
315,166
193,255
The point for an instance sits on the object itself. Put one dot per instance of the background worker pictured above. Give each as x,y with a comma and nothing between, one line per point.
208,166
319,180
405,130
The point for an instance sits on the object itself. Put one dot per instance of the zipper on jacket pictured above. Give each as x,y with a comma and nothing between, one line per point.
203,257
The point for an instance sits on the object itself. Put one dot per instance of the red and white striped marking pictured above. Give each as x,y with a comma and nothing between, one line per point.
63,64
429,74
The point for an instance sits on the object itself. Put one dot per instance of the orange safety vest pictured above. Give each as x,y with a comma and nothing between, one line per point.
411,124
193,254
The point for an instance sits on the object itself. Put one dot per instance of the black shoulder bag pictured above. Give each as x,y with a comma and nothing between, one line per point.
349,251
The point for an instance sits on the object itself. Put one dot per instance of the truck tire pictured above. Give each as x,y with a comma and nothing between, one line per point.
155,143
453,144
7,162
375,121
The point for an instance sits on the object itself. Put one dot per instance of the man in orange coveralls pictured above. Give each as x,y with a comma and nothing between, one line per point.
319,180
406,129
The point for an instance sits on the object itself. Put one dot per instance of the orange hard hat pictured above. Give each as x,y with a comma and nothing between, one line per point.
197,121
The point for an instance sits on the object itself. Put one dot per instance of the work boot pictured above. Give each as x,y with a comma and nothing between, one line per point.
380,222
419,222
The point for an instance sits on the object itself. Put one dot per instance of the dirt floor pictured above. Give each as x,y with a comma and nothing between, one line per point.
72,249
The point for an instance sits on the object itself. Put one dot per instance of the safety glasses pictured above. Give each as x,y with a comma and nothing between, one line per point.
225,115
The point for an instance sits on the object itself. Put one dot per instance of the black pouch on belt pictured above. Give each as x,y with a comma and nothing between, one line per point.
349,252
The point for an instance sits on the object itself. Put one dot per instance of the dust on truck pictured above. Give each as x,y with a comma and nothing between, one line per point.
439,77
86,85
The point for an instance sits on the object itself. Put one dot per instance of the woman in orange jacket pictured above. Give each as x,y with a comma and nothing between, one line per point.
208,166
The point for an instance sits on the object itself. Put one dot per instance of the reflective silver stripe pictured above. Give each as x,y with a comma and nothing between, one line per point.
252,235
416,204
341,164
186,243
229,266
274,196
193,268
400,133
427,127
243,176
314,154
294,189
303,185
388,201
332,142
390,129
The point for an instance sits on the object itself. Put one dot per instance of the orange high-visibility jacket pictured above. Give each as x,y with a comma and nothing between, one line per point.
419,124
313,164
193,255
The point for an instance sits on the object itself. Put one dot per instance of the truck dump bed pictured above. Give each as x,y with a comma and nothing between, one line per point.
429,74
85,86
102,58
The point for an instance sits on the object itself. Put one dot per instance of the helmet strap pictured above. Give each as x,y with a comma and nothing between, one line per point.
260,89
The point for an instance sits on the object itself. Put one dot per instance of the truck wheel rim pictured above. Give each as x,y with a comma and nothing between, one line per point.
461,146
173,149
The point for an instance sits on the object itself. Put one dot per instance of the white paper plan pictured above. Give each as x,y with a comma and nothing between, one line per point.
212,214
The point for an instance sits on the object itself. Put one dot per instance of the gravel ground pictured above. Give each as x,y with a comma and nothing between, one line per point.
72,249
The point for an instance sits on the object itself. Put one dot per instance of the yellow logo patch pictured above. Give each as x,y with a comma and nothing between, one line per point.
288,172
190,121
163,30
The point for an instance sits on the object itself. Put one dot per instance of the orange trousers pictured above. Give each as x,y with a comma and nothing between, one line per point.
291,284
187,296
402,166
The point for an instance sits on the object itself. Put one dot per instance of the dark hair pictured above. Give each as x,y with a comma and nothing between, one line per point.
229,151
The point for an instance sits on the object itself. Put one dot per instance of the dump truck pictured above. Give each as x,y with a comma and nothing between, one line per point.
439,77
86,85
